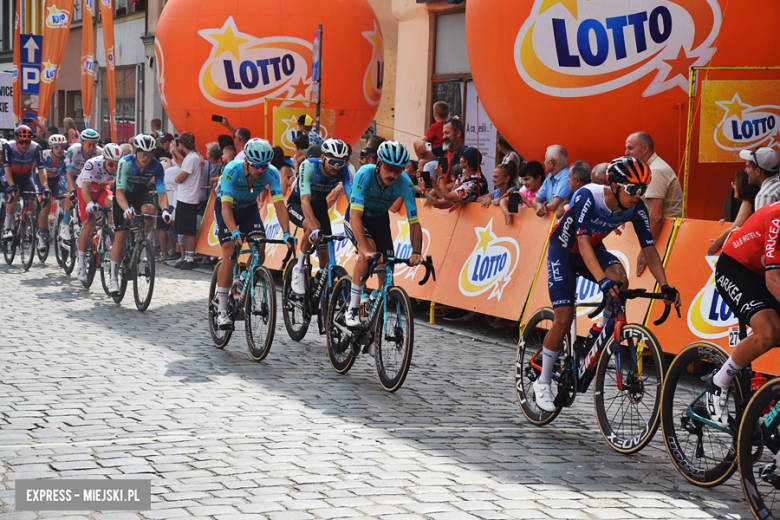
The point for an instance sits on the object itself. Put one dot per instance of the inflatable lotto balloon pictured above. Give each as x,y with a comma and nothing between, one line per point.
586,74
227,57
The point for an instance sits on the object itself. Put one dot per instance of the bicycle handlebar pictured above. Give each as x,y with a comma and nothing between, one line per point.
374,260
323,239
630,294
258,241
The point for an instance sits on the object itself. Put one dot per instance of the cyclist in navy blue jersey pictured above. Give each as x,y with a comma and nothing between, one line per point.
22,159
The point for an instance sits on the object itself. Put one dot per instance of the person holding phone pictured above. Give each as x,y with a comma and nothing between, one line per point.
452,148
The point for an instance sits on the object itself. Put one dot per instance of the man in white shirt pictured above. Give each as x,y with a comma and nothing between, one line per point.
187,199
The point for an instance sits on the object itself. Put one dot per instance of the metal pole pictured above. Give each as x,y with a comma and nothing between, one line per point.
319,86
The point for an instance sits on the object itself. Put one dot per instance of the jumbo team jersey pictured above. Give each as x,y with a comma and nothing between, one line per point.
754,245
313,182
374,200
234,187
131,179
54,166
589,215
96,174
22,163
75,160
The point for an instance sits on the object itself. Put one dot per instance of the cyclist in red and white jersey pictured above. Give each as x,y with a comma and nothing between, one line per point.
748,279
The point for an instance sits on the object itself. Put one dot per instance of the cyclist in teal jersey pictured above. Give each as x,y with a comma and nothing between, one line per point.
375,188
132,196
236,212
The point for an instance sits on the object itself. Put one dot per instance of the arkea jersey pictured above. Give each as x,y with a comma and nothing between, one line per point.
130,178
234,186
312,181
95,172
74,160
22,164
589,215
754,245
374,200
54,166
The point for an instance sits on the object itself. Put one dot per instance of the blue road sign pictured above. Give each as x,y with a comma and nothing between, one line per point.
31,47
31,78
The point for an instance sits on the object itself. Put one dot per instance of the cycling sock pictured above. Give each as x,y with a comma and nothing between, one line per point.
726,373
40,231
114,267
189,256
9,220
66,218
299,265
357,291
222,296
82,257
548,361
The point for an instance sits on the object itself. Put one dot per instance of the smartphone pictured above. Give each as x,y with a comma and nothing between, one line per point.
514,201
443,163
427,179
428,146
216,118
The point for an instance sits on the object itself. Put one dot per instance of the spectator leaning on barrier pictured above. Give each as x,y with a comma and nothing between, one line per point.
744,192
188,198
598,175
472,183
579,176
435,133
504,181
210,175
555,188
762,169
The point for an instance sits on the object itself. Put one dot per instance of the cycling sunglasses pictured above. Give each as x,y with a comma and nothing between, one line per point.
144,155
22,142
336,163
632,190
258,166
112,164
57,147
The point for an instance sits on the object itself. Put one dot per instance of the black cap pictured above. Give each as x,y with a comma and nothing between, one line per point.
368,151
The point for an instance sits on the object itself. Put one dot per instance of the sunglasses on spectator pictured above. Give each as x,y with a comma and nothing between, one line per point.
57,147
112,164
144,155
335,163
632,190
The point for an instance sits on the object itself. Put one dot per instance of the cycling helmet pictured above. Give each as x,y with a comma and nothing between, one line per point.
23,133
57,139
258,151
89,136
112,152
393,153
335,148
627,170
144,143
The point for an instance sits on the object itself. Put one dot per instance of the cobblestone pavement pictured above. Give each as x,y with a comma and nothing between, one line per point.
95,390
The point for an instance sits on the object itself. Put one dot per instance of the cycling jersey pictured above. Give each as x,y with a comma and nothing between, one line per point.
96,173
234,186
74,160
54,166
131,179
312,181
754,245
373,200
589,215
22,164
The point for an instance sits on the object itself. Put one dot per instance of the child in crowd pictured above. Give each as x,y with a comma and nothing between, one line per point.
531,178
435,134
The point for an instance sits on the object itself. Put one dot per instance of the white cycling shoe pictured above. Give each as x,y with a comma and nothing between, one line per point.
543,395
223,320
353,317
113,286
65,232
298,283
81,274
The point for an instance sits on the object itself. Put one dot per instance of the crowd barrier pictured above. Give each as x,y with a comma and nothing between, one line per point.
484,265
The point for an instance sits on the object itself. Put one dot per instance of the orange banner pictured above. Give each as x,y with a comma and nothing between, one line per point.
55,37
87,61
17,70
107,14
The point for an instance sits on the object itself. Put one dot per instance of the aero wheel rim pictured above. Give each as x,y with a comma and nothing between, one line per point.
526,373
340,341
393,340
261,311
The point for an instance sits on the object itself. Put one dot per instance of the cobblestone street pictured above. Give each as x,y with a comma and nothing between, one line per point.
91,389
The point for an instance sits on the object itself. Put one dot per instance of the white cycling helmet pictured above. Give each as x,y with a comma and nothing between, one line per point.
89,136
144,143
335,148
258,151
57,139
112,152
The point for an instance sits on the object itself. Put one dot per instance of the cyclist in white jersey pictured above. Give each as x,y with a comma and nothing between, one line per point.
78,155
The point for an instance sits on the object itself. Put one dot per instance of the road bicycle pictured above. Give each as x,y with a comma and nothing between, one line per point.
137,265
386,321
55,224
252,300
24,232
98,255
297,309
67,250
625,359
48,232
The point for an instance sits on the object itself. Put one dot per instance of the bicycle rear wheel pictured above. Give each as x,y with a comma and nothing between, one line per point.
69,248
9,249
27,241
528,362
337,335
44,255
219,337
260,314
58,251
627,399
702,453
143,281
296,311
758,446
105,259
90,263
394,339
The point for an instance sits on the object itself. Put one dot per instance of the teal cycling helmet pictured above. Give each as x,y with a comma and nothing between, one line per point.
89,136
393,153
258,151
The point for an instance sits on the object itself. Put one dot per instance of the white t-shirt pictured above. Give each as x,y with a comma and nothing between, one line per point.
189,190
240,156
170,183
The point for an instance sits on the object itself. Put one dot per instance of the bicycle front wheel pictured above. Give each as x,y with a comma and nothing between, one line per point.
69,248
105,259
219,336
58,251
627,396
337,335
295,310
44,255
143,281
260,314
703,453
757,448
27,241
394,339
9,250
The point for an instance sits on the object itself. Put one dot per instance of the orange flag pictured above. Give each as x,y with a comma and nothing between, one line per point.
107,13
17,71
87,62
55,37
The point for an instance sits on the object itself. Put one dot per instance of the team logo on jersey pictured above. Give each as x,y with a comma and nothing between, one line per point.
87,66
375,72
402,244
48,72
57,18
242,70
709,317
575,48
589,292
490,266
745,126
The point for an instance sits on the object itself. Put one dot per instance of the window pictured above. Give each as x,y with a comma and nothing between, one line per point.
7,15
125,104
451,68
77,11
